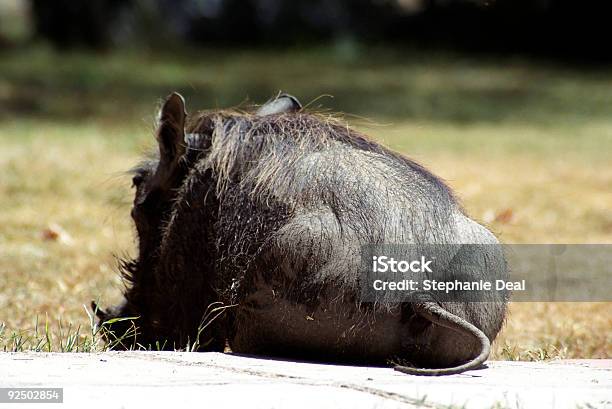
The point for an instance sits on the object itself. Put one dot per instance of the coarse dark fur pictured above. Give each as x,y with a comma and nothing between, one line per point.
250,227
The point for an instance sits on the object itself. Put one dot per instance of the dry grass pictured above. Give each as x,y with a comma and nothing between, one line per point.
64,202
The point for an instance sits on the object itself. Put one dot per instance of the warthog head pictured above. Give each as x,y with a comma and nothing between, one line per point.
156,182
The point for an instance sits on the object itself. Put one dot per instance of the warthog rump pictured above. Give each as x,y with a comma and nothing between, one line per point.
250,226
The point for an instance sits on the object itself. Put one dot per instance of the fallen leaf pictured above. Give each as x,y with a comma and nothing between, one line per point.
505,216
55,232
48,234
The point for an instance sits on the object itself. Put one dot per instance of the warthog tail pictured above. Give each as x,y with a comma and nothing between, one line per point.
439,316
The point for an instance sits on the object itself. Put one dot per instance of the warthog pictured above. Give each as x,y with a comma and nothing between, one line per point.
248,228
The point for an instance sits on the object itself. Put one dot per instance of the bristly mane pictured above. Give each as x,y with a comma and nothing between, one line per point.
237,138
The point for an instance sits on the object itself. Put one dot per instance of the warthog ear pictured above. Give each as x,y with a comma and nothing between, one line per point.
280,104
171,131
170,137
